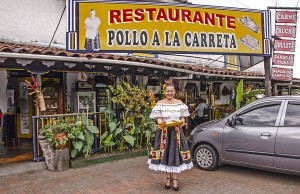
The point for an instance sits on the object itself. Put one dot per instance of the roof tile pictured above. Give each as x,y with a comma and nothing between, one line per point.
39,50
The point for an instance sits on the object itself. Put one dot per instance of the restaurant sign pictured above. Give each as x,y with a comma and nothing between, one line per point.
283,59
282,74
286,17
285,31
138,26
285,45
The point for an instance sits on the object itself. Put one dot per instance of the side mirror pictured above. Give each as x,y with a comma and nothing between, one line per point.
230,122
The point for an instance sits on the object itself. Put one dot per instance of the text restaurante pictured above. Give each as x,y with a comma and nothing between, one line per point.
170,15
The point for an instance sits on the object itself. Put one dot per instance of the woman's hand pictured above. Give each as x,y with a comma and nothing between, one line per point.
184,124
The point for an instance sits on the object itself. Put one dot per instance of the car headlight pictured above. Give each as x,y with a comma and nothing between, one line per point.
196,130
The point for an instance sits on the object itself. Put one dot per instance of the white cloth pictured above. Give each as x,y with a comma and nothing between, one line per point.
200,109
92,27
169,112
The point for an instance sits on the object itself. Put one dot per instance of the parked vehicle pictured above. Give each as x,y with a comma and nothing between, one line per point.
264,134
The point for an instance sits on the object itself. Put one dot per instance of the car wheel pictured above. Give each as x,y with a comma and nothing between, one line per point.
206,157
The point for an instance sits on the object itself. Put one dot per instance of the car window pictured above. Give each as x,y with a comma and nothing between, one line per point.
262,115
292,116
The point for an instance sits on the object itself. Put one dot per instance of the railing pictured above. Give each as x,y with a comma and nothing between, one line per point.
99,120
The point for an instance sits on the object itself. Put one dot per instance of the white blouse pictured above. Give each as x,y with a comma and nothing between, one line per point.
169,112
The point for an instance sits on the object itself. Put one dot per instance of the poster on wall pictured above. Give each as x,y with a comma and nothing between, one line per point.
24,108
152,27
10,96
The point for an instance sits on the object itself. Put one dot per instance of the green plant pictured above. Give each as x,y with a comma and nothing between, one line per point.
239,93
58,126
83,138
135,128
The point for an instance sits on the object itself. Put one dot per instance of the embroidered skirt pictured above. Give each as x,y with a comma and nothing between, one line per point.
170,152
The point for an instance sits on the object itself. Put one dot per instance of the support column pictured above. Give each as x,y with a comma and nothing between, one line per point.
268,87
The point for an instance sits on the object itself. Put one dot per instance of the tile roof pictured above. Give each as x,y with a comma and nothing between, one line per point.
40,50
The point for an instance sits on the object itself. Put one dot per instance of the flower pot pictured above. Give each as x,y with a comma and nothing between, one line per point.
60,137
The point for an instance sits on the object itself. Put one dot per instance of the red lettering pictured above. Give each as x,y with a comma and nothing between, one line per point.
150,13
209,18
197,17
114,16
171,17
186,15
161,14
230,22
220,19
139,15
127,15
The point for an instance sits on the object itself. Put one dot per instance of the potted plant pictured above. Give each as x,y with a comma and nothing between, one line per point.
59,132
53,138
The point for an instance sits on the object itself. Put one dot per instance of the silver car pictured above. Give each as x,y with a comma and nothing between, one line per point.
264,134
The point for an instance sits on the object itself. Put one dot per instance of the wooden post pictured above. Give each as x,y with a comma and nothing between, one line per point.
268,87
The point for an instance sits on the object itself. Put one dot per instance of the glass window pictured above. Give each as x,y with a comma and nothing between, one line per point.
292,116
261,115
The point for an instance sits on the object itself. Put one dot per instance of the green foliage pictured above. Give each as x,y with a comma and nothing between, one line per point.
59,126
135,129
81,133
239,93
83,141
251,95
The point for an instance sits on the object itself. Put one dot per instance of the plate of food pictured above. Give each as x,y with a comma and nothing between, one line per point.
249,23
250,42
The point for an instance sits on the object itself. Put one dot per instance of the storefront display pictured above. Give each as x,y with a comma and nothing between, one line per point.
101,97
52,96
85,101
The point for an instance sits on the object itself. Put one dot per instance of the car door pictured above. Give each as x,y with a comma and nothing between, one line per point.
251,139
287,148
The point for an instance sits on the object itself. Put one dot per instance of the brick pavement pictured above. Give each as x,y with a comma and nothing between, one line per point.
132,176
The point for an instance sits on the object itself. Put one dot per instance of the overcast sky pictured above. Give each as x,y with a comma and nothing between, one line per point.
261,4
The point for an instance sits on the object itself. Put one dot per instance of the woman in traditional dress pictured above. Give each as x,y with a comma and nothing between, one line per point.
170,152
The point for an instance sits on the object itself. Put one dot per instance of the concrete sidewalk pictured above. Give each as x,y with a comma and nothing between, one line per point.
133,176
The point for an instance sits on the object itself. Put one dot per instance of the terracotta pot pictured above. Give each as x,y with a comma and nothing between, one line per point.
59,137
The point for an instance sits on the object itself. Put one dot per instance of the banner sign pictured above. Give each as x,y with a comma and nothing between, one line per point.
285,31
160,27
282,74
283,59
285,45
286,17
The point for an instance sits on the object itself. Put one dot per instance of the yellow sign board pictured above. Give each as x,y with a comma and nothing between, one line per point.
122,26
232,62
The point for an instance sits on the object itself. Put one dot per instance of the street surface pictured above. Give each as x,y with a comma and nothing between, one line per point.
132,176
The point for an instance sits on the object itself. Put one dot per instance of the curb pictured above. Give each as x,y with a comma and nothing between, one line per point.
78,163
28,167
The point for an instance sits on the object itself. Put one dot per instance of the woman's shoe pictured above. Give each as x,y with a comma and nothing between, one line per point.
175,188
168,186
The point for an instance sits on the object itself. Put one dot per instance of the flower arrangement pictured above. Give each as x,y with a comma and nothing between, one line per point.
59,131
36,90
166,83
64,129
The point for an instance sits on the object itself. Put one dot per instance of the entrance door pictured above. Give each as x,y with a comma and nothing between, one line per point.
24,109
252,139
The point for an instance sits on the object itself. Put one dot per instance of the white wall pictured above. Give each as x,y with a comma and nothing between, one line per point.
3,81
32,21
